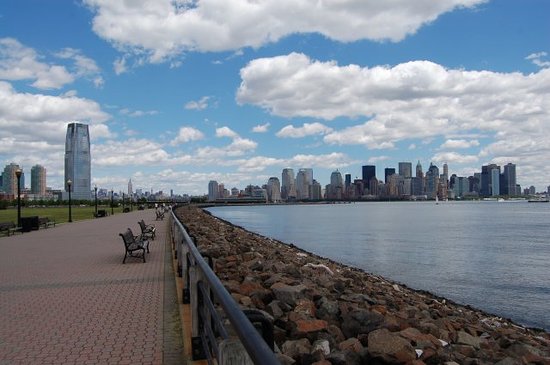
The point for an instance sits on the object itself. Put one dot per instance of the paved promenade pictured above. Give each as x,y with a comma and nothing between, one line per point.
66,297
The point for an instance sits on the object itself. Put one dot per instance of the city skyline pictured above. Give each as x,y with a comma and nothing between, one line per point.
173,103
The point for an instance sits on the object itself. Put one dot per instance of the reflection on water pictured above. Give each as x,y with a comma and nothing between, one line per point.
494,256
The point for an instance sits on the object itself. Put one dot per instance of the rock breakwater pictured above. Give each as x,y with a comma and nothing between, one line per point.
329,313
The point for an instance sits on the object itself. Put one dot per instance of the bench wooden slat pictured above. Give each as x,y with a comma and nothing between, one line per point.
134,243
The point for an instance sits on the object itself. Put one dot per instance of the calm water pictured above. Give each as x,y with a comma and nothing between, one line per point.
492,255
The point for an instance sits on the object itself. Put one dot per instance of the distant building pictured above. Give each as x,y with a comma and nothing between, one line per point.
508,186
130,189
38,180
78,161
419,172
273,190
388,171
9,179
432,181
405,169
316,191
213,190
302,185
288,185
368,172
336,186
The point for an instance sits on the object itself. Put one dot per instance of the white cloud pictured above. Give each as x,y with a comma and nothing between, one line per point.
18,62
187,134
141,152
459,143
201,104
137,113
454,158
83,66
308,129
378,159
226,132
412,100
161,29
38,117
119,65
261,128
536,58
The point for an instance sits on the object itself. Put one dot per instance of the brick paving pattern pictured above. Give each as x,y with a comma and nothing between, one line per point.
66,297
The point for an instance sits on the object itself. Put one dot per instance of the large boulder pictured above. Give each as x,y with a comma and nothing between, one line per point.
390,347
360,321
288,294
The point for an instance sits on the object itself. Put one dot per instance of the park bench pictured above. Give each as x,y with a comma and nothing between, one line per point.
133,243
100,213
147,230
9,228
46,222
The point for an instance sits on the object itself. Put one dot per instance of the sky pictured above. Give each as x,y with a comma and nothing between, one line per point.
181,92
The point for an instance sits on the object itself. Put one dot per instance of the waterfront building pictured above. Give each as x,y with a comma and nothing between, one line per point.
78,161
316,191
302,185
495,182
487,179
130,189
508,186
213,190
368,172
388,171
9,179
336,186
38,180
374,186
347,185
419,172
273,189
432,181
288,186
405,169
417,186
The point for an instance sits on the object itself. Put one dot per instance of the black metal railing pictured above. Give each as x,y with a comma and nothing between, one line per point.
204,291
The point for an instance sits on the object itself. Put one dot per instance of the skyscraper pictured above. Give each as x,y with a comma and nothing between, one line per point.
288,187
273,189
78,161
509,180
213,190
9,179
302,186
388,171
405,169
130,189
38,180
369,171
419,172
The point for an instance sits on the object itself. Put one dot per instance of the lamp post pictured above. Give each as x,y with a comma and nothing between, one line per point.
18,174
95,190
112,202
69,183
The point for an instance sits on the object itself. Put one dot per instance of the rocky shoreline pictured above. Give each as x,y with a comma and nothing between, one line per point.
329,313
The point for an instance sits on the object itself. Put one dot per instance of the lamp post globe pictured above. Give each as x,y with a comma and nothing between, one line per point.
69,183
18,173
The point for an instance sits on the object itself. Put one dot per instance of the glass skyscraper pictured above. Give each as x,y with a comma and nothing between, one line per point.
78,161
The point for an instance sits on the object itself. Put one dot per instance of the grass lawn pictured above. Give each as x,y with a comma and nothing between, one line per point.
57,214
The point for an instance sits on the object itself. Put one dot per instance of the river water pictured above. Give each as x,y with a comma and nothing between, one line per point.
494,256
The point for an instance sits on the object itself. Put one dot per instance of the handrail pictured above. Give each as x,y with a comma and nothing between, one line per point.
257,349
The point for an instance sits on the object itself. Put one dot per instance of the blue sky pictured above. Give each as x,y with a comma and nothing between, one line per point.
181,92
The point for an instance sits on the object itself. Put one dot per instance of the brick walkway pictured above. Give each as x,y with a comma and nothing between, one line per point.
66,298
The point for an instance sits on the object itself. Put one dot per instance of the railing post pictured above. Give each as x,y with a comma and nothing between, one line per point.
198,349
232,352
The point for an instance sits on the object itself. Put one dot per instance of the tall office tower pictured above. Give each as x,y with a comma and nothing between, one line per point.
130,190
78,161
369,171
302,186
38,180
419,172
336,185
388,171
9,179
487,179
495,182
432,181
405,169
509,180
273,189
316,193
309,175
347,184
288,187
213,190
